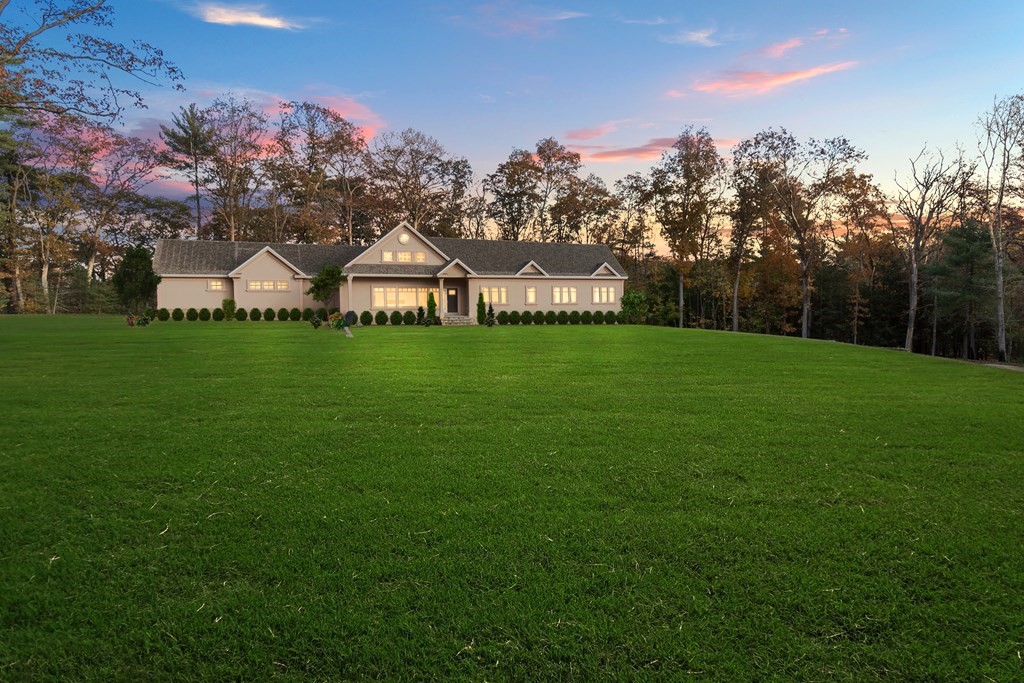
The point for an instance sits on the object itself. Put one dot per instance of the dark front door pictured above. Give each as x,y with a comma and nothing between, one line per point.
453,300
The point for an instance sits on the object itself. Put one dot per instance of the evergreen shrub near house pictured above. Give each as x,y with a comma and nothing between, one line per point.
163,315
283,314
351,318
192,315
574,317
322,313
315,322
550,318
396,318
586,317
538,317
503,318
381,318
562,318
481,310
255,314
610,318
489,319
421,315
307,314
204,314
241,314
295,315
229,307
366,318
526,318
149,313
269,314
409,318
218,314
431,309
514,318
598,317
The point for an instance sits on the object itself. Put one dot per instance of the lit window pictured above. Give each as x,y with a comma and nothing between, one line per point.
407,297
387,256
604,295
215,285
563,295
421,257
531,295
282,286
405,257
378,297
495,295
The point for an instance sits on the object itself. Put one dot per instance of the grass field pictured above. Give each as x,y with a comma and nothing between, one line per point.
260,500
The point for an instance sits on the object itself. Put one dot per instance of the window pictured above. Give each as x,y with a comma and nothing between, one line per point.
531,296
267,285
563,295
403,297
604,295
495,295
215,285
421,257
405,257
387,256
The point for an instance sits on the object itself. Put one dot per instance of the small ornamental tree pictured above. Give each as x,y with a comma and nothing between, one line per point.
229,307
489,319
634,307
431,307
326,284
134,280
481,310
421,315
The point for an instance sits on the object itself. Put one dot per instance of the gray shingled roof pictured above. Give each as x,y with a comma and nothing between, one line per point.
484,257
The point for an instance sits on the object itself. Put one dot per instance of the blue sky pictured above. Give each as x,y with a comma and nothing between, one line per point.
616,81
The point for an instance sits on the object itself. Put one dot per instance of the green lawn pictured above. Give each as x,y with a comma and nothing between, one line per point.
247,501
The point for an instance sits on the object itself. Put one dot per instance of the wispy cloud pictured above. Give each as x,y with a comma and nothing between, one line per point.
656,21
243,15
777,50
485,99
760,82
649,151
505,18
703,37
598,131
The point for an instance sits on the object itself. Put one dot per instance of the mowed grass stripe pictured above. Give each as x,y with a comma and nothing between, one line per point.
256,500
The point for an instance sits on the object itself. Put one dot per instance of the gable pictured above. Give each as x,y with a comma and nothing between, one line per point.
402,247
604,270
455,269
266,264
532,268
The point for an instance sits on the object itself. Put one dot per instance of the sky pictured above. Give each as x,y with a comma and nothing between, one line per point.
615,81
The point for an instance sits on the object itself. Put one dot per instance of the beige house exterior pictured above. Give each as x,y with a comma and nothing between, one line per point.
395,273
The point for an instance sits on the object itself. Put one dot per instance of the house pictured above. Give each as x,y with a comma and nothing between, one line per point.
395,273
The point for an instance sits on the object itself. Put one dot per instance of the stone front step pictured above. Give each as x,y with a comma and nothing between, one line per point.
451,319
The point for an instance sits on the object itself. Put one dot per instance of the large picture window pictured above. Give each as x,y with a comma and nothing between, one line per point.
495,295
267,286
403,297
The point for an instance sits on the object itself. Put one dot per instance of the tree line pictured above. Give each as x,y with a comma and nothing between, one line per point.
782,236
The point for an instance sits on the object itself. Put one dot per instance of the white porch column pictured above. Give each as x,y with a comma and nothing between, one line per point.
443,303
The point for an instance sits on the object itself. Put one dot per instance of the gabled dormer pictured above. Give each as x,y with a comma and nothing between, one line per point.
456,269
604,270
401,248
263,255
532,269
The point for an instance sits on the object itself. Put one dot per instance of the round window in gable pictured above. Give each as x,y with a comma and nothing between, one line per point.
404,238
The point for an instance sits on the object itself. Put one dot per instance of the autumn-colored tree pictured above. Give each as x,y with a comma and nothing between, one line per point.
515,196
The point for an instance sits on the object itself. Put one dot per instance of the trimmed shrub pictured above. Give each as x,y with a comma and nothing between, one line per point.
283,314
381,318
163,315
431,307
481,310
149,313
538,318
550,318
269,314
229,307
409,318
396,318
366,318
598,317
192,315
574,317
421,315
610,318
295,315
513,317
315,322
489,319
241,314
255,314
218,314
307,314
526,318
322,313
562,318
351,318
586,317
503,318
204,314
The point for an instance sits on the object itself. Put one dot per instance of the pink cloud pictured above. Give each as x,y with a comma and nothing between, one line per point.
675,94
777,50
760,82
591,133
649,151
505,18
170,188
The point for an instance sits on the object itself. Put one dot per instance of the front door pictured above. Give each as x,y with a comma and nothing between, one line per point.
453,300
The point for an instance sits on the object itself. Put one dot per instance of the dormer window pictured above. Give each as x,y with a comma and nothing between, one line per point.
387,256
